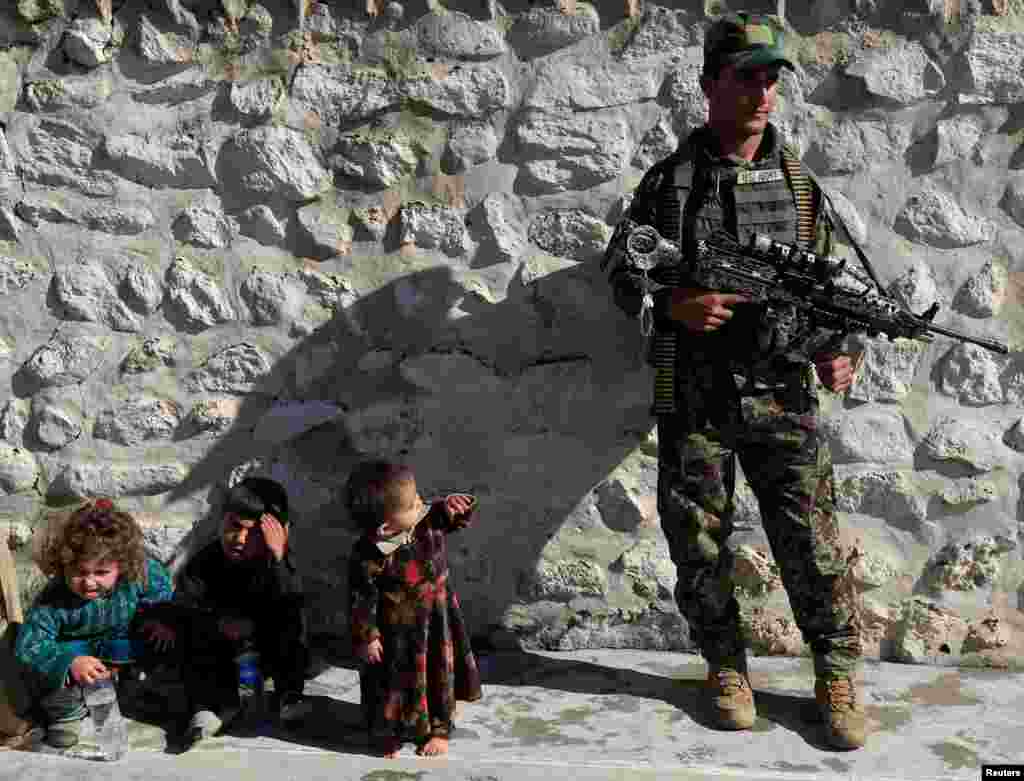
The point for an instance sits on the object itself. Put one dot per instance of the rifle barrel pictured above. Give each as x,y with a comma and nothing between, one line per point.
988,344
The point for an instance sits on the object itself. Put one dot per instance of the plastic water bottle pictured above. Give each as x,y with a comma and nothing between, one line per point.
111,728
250,681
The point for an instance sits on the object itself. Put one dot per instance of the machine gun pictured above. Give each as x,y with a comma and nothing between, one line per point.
803,293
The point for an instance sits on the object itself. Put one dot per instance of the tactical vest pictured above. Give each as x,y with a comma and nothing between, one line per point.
772,197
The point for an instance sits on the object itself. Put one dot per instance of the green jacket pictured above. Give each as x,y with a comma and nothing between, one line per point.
60,621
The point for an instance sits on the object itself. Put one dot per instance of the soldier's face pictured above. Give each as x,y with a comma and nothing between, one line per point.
745,98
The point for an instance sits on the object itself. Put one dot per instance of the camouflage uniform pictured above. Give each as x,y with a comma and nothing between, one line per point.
735,398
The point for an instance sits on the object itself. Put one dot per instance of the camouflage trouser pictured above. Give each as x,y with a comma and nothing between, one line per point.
787,464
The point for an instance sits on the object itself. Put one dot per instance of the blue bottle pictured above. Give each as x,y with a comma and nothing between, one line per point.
250,681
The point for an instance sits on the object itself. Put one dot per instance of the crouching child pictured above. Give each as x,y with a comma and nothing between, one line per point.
242,596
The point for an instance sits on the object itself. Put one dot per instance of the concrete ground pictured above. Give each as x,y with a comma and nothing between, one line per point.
603,715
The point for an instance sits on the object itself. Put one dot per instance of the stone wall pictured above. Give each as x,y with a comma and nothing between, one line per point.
243,237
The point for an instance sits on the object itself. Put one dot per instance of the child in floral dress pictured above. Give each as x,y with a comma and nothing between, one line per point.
407,626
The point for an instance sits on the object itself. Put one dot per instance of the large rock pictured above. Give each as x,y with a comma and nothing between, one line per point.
660,30
983,294
377,158
458,36
276,298
568,84
846,146
82,480
571,152
138,419
195,298
336,94
884,493
18,469
563,579
934,217
14,417
539,31
88,291
869,433
56,422
236,369
256,100
433,227
498,221
925,633
969,564
327,226
888,370
118,220
955,439
649,567
211,417
261,223
570,233
988,634
993,68
16,274
470,142
88,41
204,224
160,160
972,375
273,161
916,288
153,353
463,91
160,48
58,152
903,73
958,138
69,358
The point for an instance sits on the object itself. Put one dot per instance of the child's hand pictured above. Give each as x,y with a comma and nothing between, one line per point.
87,670
458,504
160,635
274,535
236,628
372,652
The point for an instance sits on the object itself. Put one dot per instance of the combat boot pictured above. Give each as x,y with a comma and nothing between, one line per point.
840,709
730,698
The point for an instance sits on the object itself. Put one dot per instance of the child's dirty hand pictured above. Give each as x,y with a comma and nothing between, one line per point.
88,670
458,504
236,628
372,652
160,635
274,535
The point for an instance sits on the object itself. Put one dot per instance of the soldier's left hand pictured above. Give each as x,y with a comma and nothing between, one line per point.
275,535
835,372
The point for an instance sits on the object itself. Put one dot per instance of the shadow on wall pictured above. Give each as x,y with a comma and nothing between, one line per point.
528,403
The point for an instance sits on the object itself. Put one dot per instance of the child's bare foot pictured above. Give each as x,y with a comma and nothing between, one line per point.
435,747
389,747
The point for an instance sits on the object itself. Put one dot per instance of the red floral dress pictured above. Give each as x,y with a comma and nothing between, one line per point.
403,598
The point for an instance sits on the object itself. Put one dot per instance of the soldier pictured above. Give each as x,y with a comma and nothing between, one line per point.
731,392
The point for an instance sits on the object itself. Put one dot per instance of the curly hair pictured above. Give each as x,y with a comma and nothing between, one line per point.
97,530
374,489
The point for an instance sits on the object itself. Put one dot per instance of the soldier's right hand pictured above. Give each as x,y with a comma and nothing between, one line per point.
701,310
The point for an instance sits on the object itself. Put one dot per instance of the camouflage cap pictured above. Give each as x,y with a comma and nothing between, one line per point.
746,41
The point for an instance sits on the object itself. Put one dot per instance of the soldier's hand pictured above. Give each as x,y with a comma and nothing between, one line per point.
836,372
702,310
